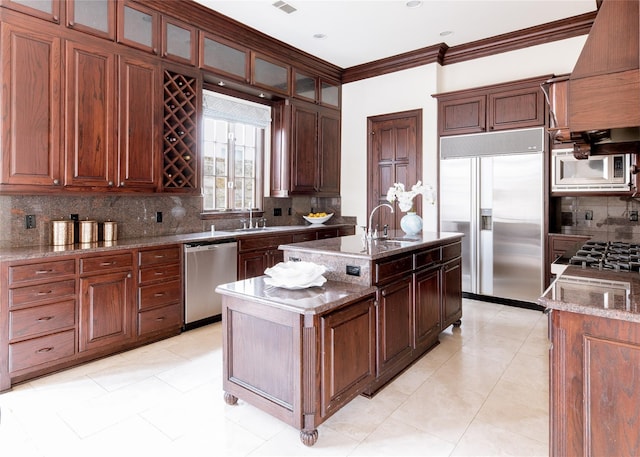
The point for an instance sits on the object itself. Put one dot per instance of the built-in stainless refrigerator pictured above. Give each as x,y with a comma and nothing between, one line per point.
491,189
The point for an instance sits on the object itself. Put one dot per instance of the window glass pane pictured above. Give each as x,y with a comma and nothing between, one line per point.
41,5
138,26
179,41
225,58
305,86
330,94
92,13
272,75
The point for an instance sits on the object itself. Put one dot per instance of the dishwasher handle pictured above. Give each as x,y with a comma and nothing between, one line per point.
195,247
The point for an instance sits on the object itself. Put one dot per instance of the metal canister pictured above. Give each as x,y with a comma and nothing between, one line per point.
110,231
62,232
88,232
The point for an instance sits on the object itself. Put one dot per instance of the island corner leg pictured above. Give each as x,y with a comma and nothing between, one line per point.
230,399
309,437
457,323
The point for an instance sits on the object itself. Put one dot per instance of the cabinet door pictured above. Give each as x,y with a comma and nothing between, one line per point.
518,108
97,17
427,308
270,74
251,264
465,115
106,310
44,9
394,325
178,41
348,354
305,86
452,297
139,152
223,57
138,26
303,149
90,139
329,152
31,107
330,94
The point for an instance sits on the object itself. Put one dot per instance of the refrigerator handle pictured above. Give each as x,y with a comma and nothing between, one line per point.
486,219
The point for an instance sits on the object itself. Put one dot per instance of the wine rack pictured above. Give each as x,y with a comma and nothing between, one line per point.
180,132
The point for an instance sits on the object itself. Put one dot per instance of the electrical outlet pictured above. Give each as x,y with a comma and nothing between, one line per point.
353,270
159,216
277,211
588,215
30,221
633,216
289,212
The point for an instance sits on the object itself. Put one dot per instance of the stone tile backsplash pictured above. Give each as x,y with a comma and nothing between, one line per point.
604,218
136,215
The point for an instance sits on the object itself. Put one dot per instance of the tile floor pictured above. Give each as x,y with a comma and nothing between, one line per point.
482,392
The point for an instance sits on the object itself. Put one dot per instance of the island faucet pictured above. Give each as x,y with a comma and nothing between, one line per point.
370,232
250,216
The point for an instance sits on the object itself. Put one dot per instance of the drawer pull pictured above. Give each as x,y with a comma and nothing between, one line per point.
44,272
159,273
43,350
159,256
45,293
158,294
44,319
160,318
106,264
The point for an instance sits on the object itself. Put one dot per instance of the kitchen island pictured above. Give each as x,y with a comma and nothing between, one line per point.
594,327
300,355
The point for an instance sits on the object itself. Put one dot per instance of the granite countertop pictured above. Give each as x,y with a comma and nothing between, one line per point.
313,300
36,252
355,247
610,294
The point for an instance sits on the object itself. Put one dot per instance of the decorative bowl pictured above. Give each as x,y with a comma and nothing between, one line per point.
318,220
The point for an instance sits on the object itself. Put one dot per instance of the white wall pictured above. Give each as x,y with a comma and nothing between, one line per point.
412,89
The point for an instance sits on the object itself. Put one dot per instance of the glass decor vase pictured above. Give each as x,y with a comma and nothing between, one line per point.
411,223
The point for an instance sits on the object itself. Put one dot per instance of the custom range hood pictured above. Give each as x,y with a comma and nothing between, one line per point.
604,87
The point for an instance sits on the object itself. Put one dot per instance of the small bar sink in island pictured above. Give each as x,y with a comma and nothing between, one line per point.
300,355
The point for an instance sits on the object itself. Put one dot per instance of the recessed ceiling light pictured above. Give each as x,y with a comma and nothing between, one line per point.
221,84
413,4
319,36
446,33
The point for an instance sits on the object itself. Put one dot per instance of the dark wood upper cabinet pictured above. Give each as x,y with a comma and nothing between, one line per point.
48,10
96,17
270,74
223,57
518,104
178,41
139,123
31,107
305,86
330,93
90,89
138,27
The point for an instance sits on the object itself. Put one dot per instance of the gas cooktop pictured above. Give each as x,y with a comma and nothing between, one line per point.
608,255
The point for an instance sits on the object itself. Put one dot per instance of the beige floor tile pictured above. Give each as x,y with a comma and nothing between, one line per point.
482,391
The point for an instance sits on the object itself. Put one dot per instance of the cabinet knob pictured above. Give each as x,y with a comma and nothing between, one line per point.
110,183
72,24
155,51
129,275
121,183
56,182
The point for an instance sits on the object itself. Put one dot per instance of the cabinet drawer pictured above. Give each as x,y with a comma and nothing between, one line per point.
307,236
156,256
426,258
159,319
451,251
39,320
162,272
324,234
159,294
42,271
37,351
263,242
42,292
385,271
105,263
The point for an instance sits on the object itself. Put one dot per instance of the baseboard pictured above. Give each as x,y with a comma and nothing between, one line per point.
504,301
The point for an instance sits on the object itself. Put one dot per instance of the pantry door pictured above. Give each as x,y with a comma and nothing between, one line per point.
394,154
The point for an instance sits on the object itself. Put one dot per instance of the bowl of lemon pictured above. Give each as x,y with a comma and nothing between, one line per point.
317,218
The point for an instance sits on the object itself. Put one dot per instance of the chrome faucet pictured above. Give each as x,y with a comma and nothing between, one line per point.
372,234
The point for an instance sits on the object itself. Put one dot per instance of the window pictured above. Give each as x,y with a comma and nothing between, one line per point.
233,150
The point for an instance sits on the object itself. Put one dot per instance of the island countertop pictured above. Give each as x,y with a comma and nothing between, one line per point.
609,294
313,300
355,247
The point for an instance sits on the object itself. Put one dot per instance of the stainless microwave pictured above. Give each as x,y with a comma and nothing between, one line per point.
597,173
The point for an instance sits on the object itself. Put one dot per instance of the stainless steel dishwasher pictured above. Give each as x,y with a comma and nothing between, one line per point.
207,264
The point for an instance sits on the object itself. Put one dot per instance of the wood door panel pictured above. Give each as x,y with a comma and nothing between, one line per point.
30,120
427,308
394,324
90,101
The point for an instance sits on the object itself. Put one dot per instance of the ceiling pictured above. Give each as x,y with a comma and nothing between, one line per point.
361,31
